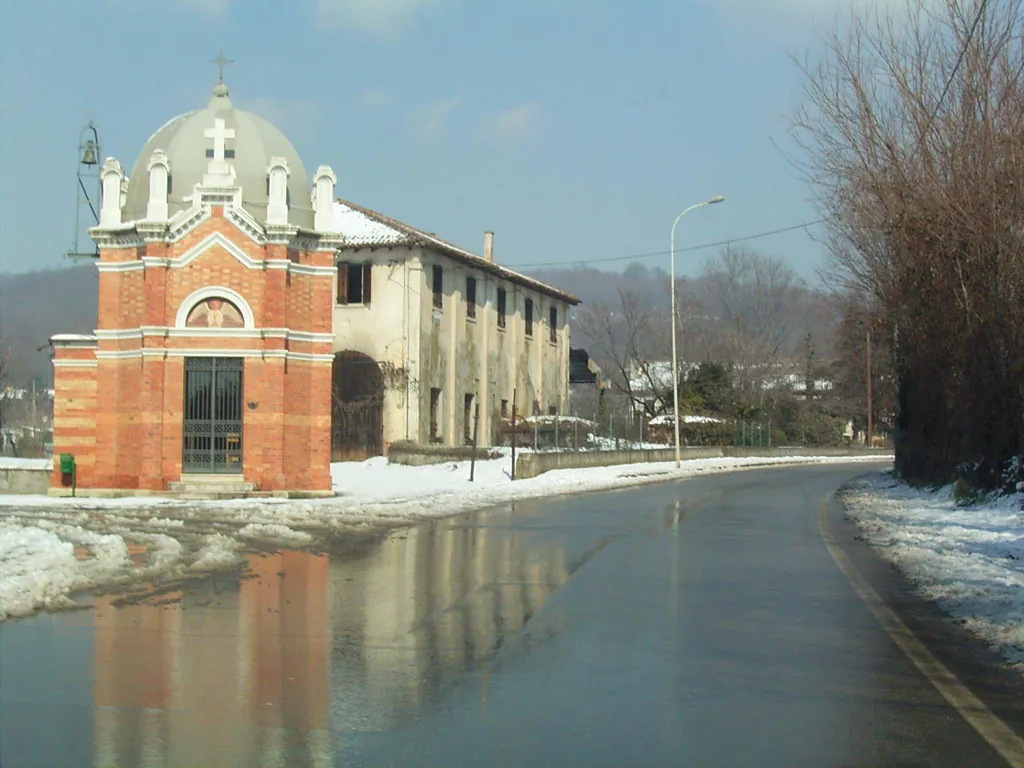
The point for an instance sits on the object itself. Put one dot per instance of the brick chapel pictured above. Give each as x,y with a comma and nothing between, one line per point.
216,285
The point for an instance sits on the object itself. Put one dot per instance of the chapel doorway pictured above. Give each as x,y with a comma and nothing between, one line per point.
212,423
357,407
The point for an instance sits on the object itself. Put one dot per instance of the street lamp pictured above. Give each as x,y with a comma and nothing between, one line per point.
672,277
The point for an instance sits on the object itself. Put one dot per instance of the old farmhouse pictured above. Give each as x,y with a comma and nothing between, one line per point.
252,327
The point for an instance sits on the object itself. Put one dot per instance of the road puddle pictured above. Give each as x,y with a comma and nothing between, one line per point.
280,665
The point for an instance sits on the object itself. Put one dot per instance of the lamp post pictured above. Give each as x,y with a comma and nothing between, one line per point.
672,278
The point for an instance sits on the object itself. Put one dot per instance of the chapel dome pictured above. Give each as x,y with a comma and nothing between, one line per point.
188,150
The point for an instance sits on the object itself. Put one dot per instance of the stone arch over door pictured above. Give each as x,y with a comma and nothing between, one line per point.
357,407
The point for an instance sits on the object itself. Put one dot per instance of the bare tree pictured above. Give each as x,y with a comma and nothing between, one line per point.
756,305
630,340
913,131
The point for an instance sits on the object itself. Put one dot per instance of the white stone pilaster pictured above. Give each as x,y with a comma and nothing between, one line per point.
112,176
323,199
159,172
277,200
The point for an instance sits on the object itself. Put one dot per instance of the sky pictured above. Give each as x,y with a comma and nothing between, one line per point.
576,130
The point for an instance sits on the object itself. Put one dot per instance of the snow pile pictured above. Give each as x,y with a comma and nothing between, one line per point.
37,570
217,553
970,560
274,533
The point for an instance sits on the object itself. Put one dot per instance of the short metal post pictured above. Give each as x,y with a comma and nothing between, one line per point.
476,427
515,434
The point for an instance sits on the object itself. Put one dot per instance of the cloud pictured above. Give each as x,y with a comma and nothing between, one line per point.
206,7
290,116
375,97
516,123
384,17
431,119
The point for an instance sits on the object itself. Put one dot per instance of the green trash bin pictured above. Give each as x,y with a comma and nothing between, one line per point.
67,467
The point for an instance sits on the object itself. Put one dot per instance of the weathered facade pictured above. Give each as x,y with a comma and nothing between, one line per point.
453,333
251,330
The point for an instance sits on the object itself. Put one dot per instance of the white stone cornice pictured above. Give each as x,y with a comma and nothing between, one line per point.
311,337
64,340
120,266
163,332
283,234
187,220
74,363
246,223
122,237
130,354
117,354
118,334
310,357
152,231
309,269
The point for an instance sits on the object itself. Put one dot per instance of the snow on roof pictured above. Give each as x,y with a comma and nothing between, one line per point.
365,228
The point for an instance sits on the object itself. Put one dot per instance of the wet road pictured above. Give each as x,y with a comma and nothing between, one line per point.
697,623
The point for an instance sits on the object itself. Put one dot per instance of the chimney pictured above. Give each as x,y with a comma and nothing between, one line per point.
489,246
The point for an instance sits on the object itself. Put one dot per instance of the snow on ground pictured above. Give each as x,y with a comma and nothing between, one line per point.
51,548
969,560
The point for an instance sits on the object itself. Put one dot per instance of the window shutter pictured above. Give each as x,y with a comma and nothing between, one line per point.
367,281
343,283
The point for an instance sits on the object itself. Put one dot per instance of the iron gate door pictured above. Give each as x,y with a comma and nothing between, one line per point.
212,424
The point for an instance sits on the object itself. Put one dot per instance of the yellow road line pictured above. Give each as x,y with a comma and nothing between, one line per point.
997,733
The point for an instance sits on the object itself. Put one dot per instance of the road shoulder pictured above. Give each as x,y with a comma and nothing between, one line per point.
979,668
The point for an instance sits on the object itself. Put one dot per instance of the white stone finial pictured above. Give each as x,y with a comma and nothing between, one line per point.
159,172
277,198
110,209
323,199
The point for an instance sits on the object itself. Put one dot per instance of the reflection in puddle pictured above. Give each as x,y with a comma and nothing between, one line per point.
272,669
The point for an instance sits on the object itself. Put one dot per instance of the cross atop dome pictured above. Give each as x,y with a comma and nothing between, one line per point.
221,62
221,88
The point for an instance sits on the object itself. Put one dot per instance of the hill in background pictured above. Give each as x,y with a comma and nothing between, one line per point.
36,305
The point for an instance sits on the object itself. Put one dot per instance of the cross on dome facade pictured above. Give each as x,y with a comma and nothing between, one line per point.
220,133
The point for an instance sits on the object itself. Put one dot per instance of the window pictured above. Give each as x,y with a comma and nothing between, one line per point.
438,286
553,324
529,317
435,406
470,297
467,419
504,409
229,154
552,411
354,283
501,307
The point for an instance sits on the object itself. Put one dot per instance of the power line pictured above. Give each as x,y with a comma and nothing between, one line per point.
952,75
653,254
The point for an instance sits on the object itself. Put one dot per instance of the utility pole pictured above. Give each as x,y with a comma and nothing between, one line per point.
867,437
